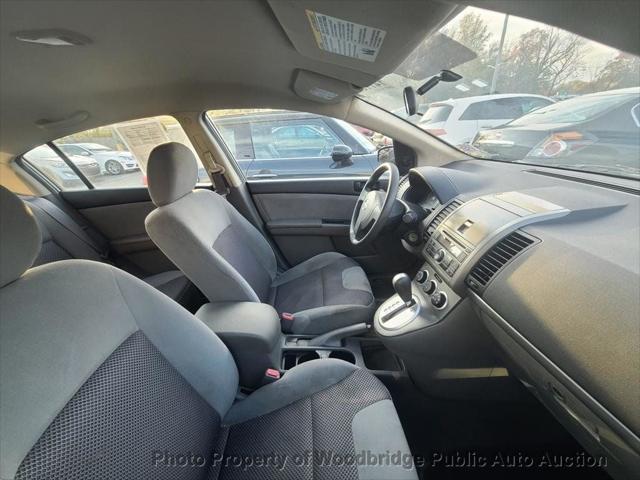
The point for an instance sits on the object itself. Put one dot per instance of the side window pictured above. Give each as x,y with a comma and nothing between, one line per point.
283,143
238,139
49,164
74,150
292,139
114,156
473,111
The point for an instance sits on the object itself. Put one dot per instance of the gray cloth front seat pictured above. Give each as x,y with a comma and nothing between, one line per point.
103,377
229,260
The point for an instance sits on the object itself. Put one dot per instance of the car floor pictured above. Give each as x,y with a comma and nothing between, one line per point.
446,433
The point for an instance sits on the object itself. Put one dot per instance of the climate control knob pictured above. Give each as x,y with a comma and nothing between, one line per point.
422,276
439,300
430,287
439,255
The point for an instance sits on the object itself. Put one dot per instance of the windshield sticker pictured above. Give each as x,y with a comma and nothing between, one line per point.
346,38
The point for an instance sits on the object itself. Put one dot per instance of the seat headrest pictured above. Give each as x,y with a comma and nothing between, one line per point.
20,237
172,172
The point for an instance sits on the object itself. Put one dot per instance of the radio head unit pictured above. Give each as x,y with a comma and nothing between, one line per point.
472,228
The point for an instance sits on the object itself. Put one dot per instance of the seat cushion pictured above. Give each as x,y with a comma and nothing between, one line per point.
325,419
326,292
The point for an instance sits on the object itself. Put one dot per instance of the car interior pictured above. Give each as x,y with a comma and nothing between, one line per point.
272,265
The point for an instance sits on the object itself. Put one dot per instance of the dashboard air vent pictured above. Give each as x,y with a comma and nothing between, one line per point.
444,213
496,258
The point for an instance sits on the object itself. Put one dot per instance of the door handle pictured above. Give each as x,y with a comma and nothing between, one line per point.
358,185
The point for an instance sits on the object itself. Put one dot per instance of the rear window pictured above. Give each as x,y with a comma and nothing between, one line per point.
578,109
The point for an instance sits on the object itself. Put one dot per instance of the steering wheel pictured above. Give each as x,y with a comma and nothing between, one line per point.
373,206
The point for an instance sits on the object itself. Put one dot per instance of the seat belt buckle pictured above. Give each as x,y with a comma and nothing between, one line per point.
271,375
286,321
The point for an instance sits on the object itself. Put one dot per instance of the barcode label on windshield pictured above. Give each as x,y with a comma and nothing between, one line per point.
346,38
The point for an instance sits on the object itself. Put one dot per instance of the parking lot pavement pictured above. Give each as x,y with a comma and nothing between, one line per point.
128,179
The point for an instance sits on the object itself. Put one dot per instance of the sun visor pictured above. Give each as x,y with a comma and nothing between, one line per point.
356,39
320,88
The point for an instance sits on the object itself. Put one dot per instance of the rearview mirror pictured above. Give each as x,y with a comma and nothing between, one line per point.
410,105
386,154
341,156
443,76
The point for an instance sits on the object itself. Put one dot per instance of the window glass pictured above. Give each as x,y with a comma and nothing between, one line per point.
529,92
436,113
580,109
277,143
47,162
114,156
293,139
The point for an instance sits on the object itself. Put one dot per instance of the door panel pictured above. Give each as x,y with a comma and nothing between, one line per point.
119,215
309,216
328,208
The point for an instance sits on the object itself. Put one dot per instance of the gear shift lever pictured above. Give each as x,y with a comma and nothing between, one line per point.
402,285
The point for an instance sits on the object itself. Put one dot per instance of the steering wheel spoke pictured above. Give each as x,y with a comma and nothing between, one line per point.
374,205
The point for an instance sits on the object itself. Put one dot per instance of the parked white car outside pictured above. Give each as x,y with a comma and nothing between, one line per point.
111,162
457,121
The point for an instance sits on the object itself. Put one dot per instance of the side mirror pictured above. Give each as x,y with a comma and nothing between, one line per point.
386,154
341,156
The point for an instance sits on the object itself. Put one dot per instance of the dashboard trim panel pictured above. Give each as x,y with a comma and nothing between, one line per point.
474,253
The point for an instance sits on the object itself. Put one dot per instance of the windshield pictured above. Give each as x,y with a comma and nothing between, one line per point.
529,93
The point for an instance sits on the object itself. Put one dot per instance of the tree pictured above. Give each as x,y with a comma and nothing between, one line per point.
540,60
472,32
621,71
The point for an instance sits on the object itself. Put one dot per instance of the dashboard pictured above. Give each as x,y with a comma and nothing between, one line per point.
548,263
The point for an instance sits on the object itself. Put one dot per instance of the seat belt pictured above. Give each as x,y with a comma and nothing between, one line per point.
67,222
216,172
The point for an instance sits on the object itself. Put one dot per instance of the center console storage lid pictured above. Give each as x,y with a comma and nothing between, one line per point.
256,323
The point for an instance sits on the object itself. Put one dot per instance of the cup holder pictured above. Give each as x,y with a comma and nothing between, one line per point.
307,356
291,358
343,355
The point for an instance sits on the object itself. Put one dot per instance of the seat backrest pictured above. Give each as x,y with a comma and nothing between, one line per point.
215,246
99,372
62,237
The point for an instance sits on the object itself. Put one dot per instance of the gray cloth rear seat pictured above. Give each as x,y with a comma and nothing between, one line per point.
63,239
102,377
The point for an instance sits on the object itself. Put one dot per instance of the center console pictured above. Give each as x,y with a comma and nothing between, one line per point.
430,323
252,332
455,238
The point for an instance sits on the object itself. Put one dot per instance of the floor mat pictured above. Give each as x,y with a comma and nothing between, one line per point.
455,439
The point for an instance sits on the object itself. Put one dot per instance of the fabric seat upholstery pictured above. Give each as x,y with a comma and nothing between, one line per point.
103,377
63,239
229,260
